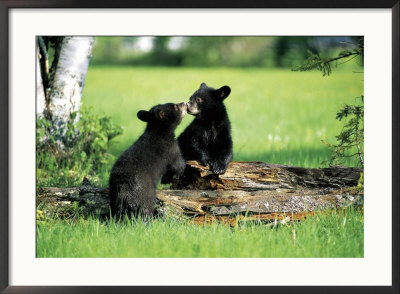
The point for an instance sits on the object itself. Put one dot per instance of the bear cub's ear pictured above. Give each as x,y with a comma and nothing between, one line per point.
223,92
144,115
161,114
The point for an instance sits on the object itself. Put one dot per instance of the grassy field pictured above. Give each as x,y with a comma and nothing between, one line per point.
277,116
340,234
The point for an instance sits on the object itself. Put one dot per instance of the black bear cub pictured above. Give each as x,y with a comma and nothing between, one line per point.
134,176
208,138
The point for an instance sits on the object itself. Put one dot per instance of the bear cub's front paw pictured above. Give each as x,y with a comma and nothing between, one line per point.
218,168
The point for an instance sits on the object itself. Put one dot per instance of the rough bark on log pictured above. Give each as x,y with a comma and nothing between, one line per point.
256,202
63,201
207,206
252,176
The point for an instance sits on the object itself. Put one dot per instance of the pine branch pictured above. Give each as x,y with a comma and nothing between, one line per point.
314,61
351,137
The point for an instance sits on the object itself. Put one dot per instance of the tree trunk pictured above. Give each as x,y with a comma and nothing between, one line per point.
40,95
286,193
67,85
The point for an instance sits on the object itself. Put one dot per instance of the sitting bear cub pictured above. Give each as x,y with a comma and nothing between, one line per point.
134,176
208,138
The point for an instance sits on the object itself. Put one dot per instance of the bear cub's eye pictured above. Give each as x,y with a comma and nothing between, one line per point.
199,100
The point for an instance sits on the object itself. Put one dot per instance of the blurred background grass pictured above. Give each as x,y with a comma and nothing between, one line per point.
277,115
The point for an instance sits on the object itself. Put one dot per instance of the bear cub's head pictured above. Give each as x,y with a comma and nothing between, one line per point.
168,115
207,99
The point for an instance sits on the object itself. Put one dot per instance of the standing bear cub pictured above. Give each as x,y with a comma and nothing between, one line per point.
135,174
208,138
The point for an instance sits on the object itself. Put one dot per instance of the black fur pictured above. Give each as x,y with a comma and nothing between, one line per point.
135,174
208,138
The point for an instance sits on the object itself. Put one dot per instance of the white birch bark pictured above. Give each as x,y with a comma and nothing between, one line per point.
66,89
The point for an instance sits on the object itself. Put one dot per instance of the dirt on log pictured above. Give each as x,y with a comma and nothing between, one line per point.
247,191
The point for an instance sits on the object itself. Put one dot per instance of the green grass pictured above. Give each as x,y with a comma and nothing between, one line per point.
340,234
277,116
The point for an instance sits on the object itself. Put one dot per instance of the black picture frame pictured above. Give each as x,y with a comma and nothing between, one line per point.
6,5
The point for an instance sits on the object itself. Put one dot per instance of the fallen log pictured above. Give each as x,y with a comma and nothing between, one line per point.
231,206
247,176
265,192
